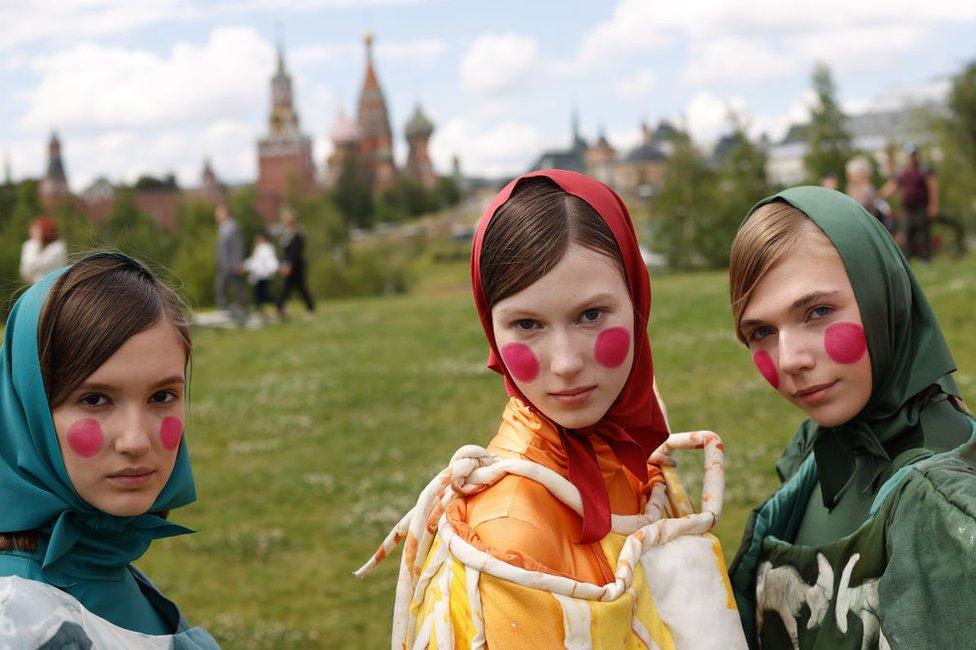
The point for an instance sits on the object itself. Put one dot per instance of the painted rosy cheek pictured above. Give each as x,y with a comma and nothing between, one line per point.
171,432
86,438
845,342
520,361
766,367
612,346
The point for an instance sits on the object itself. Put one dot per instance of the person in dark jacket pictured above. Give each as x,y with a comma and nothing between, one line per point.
293,267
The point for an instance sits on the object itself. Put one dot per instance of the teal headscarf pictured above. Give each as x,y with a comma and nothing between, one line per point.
82,543
909,405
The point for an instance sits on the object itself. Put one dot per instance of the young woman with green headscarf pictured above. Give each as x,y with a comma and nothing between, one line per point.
869,541
92,458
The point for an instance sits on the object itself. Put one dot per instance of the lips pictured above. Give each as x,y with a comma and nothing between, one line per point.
573,396
132,477
815,394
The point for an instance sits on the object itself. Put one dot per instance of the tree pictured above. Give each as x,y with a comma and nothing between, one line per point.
684,203
828,142
740,184
955,137
352,195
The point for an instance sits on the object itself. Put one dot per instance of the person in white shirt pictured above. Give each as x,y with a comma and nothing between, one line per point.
261,266
43,252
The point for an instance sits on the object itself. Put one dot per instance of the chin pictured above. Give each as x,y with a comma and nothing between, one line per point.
832,417
578,420
126,507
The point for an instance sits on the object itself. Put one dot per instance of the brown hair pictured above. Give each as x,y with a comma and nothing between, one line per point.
764,239
89,313
530,233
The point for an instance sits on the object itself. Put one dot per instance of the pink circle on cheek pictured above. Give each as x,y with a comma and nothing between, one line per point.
845,342
85,437
766,367
171,432
612,346
520,361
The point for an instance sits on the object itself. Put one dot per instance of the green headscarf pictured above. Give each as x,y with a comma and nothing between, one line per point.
910,360
85,545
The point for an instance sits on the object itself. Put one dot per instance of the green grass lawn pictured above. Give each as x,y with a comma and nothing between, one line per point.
311,438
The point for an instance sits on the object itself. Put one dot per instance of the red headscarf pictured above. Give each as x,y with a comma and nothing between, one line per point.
634,426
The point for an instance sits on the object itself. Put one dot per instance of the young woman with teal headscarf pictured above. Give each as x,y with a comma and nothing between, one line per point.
92,457
869,541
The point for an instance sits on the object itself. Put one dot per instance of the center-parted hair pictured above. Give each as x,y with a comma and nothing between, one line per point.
92,310
530,233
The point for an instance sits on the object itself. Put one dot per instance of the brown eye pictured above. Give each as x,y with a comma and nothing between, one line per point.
163,397
94,399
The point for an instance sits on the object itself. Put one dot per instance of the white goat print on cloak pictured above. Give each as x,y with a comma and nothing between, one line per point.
784,591
863,602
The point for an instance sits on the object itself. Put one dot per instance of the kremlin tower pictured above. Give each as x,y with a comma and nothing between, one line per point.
285,153
376,138
54,186
418,131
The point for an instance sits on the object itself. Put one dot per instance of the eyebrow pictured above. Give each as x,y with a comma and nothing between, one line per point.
810,297
799,303
169,381
509,312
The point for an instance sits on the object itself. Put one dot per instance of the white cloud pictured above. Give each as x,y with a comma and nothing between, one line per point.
638,85
124,155
420,51
737,61
776,125
709,117
93,87
498,150
496,63
632,28
425,50
862,48
68,19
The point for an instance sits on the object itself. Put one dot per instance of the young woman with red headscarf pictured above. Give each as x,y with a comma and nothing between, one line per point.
530,544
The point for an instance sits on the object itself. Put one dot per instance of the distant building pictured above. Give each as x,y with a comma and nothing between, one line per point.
376,138
418,131
601,160
285,153
99,199
871,132
572,159
54,186
642,169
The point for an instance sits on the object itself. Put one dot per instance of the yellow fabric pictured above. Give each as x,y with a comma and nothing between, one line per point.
520,617
720,564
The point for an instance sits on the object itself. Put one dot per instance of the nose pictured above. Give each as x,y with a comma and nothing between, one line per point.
135,433
795,355
566,360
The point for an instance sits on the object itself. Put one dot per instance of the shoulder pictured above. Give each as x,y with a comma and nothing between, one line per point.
931,567
941,486
521,515
40,615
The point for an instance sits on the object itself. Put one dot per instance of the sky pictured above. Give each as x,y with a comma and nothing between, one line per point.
156,87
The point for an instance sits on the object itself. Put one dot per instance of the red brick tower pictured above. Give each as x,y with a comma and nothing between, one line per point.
285,162
54,186
418,131
376,143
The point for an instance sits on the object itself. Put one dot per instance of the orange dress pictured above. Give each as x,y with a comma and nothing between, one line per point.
520,521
